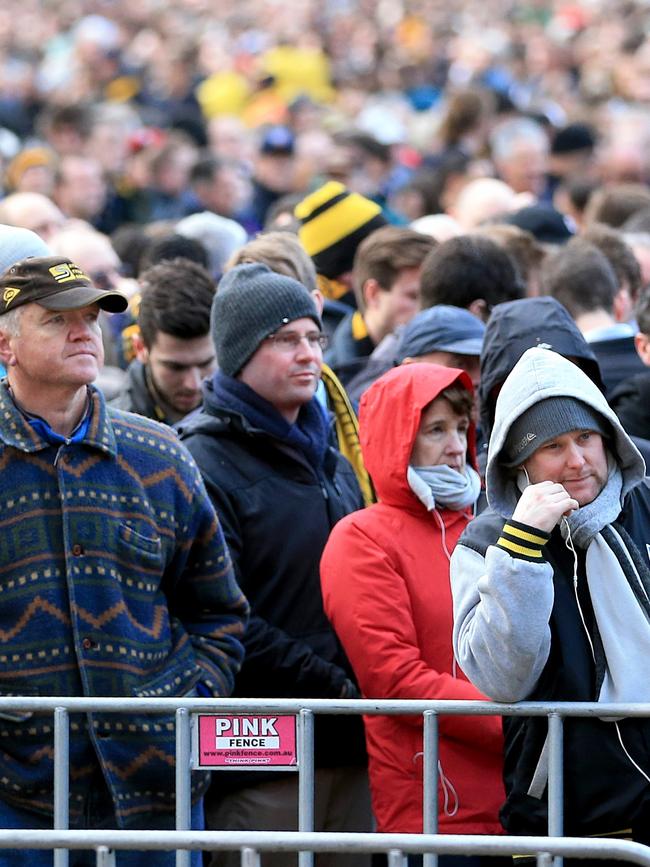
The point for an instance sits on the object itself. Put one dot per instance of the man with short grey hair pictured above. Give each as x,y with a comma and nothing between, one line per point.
520,152
115,577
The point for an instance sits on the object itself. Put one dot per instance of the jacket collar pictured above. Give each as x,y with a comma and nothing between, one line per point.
17,433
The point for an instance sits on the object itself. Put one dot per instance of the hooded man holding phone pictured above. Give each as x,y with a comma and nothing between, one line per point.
551,588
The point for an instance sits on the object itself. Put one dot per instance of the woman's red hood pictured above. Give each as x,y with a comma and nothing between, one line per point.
389,419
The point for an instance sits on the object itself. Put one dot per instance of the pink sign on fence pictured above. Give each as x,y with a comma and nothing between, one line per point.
231,742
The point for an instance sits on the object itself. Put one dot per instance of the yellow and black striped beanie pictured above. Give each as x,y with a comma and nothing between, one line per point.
334,221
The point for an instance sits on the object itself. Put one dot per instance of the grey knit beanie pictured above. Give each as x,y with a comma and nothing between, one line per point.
545,420
252,302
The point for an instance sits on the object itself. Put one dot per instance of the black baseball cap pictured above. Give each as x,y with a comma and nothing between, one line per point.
55,283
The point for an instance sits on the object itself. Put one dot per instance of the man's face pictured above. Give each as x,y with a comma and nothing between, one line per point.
400,304
228,193
525,171
82,190
286,376
55,348
577,460
178,367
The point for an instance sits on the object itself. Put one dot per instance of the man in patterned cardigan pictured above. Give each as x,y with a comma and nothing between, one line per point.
114,576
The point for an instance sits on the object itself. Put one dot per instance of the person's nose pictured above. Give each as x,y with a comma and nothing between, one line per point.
455,443
305,351
192,379
81,329
575,456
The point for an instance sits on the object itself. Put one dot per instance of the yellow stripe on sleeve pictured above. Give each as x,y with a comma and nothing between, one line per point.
519,549
522,534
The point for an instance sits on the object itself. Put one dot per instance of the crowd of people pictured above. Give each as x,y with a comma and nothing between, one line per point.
325,334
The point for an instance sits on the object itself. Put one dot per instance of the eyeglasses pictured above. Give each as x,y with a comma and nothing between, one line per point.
289,341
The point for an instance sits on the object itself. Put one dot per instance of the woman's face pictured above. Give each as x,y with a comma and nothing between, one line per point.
441,437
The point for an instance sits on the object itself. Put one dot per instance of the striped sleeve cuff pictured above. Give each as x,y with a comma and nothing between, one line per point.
522,541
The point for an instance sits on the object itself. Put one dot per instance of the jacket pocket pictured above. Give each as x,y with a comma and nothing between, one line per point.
176,681
17,691
141,549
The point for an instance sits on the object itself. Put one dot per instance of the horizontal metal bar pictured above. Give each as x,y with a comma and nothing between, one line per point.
293,841
320,706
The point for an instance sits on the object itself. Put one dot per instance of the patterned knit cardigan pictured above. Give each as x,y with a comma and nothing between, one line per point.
114,581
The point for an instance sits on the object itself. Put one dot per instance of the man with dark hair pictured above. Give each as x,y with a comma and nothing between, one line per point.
581,278
469,271
386,280
174,246
220,186
173,348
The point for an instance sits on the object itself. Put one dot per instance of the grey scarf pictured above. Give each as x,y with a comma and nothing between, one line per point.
444,487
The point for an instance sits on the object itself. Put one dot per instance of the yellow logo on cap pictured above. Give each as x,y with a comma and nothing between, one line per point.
63,273
9,294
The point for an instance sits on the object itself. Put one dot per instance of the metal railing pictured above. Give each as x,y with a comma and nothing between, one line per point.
305,841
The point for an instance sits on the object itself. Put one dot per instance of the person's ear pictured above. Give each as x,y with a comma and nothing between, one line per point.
623,308
371,291
140,350
480,309
642,344
7,355
319,300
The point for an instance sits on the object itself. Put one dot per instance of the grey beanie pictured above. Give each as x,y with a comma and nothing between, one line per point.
252,302
545,420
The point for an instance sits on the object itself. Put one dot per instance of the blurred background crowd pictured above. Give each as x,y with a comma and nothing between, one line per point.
125,113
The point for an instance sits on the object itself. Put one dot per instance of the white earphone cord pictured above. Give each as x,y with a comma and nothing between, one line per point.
454,664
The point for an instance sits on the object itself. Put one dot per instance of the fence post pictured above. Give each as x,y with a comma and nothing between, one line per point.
395,858
61,779
183,782
105,857
430,781
555,779
250,857
306,781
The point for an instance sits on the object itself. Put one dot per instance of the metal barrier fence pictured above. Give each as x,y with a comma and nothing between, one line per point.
305,841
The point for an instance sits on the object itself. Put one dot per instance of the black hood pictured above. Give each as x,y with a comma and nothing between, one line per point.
516,326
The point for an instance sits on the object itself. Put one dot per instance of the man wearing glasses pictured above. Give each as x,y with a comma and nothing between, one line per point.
263,444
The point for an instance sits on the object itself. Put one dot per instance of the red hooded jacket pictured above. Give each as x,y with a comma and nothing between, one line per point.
385,580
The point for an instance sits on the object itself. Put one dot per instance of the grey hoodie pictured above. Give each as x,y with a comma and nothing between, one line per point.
502,604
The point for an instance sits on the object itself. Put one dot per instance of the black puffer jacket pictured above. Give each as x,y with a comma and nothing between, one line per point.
276,513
